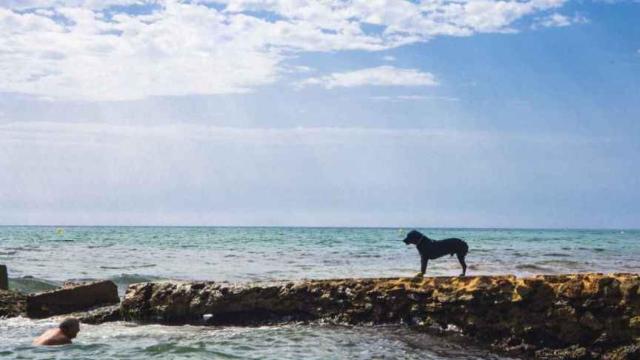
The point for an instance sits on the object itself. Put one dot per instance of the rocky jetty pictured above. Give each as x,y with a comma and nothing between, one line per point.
586,316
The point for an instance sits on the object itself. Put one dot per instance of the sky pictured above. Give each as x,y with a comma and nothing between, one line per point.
430,113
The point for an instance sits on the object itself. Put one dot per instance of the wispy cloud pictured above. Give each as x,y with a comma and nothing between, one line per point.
558,20
26,134
102,50
57,172
103,134
399,98
376,76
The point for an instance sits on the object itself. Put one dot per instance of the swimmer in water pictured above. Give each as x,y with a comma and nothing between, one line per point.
67,330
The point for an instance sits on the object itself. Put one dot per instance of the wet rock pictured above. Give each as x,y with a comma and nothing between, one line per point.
571,353
590,321
4,278
71,299
98,315
581,316
12,304
627,352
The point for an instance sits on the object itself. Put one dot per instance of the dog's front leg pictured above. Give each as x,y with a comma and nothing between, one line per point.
423,265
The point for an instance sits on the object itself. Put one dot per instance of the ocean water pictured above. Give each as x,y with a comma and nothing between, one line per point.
39,258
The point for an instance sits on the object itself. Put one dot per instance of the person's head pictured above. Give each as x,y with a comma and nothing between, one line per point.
70,327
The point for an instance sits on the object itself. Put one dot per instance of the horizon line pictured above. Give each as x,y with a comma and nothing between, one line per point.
337,227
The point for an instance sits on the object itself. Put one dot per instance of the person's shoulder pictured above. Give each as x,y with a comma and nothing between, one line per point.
59,339
52,337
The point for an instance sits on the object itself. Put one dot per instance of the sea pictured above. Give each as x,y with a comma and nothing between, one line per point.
43,257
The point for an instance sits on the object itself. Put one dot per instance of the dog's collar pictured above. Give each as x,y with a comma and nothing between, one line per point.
421,239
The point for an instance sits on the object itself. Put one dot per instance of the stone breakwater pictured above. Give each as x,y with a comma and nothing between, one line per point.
586,316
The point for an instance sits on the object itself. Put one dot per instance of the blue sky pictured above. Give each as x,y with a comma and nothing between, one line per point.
362,113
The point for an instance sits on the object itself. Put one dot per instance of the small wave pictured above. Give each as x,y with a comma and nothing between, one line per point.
563,263
126,279
5,253
592,249
122,281
483,250
24,248
558,254
30,284
128,267
533,267
176,349
99,246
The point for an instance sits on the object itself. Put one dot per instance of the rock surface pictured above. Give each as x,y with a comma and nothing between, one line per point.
72,298
4,279
586,316
12,304
98,315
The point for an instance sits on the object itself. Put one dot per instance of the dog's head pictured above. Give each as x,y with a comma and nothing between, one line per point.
413,237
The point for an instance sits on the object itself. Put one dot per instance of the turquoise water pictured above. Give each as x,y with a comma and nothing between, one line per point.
41,257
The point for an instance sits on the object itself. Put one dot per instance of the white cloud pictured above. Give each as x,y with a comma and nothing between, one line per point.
297,69
559,20
91,50
389,58
379,76
400,18
90,4
182,50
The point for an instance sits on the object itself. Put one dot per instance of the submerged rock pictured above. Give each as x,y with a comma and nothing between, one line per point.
98,315
551,317
72,298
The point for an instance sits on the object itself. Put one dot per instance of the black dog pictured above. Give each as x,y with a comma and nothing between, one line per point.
433,249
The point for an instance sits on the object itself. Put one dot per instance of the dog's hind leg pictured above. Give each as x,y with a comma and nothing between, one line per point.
462,263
